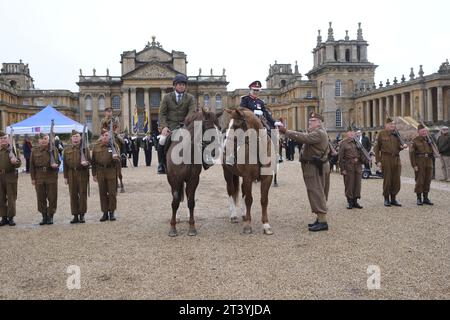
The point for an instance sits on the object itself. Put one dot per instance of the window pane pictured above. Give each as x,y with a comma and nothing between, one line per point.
101,103
218,101
155,99
88,102
338,118
206,99
338,88
116,102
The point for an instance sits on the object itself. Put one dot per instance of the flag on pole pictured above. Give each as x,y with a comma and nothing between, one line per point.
146,122
135,120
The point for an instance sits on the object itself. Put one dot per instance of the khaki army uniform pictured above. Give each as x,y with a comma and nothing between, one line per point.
172,113
78,178
104,168
315,146
46,179
421,156
387,151
8,184
350,159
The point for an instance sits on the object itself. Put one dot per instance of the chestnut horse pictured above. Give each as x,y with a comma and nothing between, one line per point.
185,177
245,120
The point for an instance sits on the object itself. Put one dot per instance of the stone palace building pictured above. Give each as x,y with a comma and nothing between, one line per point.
341,86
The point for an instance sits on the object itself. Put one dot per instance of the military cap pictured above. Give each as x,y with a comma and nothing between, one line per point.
42,135
2,133
420,127
350,128
255,85
109,109
389,120
315,115
74,132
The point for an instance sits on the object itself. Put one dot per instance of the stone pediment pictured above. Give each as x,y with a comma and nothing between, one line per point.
153,54
151,71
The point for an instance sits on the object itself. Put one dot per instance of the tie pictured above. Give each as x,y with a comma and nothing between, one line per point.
179,96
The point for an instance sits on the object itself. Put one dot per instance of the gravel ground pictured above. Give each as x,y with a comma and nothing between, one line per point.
133,258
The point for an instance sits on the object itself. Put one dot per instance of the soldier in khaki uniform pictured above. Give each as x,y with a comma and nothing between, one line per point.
44,176
175,107
104,172
421,155
387,155
350,161
9,162
76,175
315,167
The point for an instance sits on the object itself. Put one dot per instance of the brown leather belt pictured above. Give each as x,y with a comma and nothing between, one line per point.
79,168
424,155
7,171
109,166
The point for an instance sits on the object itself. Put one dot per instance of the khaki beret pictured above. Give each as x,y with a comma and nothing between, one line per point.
75,132
315,115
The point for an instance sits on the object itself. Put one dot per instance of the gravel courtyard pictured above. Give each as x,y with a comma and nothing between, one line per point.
133,258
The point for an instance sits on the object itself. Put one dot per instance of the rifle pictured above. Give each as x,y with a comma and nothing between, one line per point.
111,139
396,133
83,145
83,150
51,143
432,144
361,148
12,146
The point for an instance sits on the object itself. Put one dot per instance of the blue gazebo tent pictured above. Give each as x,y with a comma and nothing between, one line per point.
41,122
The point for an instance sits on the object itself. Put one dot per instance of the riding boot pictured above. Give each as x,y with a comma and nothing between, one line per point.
161,160
105,217
426,200
111,216
75,219
419,199
44,219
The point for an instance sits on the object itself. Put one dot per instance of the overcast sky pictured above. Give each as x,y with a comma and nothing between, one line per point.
57,38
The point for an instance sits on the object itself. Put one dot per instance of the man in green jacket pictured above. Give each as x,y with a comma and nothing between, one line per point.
175,107
443,143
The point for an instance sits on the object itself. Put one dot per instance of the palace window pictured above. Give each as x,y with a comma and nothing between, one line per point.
338,118
116,103
88,103
89,122
338,89
218,101
206,100
309,95
347,55
101,103
155,98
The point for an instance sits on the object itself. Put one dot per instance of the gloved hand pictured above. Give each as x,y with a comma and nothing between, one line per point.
279,124
258,112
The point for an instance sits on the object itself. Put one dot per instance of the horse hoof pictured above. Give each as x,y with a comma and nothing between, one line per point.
268,231
192,233
173,233
248,230
234,220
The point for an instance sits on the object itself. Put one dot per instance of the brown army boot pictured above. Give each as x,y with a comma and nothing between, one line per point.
4,221
44,220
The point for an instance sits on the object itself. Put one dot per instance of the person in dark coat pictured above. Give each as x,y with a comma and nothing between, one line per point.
26,148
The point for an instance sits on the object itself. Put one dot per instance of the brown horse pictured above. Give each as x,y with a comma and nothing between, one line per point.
185,177
250,171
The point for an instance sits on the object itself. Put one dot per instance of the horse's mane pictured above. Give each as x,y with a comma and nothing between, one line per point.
252,120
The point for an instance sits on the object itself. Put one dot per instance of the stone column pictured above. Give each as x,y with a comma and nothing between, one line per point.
395,98
381,111
421,105
4,119
374,113
388,106
367,111
95,116
440,104
82,105
403,105
126,110
429,104
412,106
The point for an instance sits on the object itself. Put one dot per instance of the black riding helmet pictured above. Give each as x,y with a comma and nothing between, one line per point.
180,78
